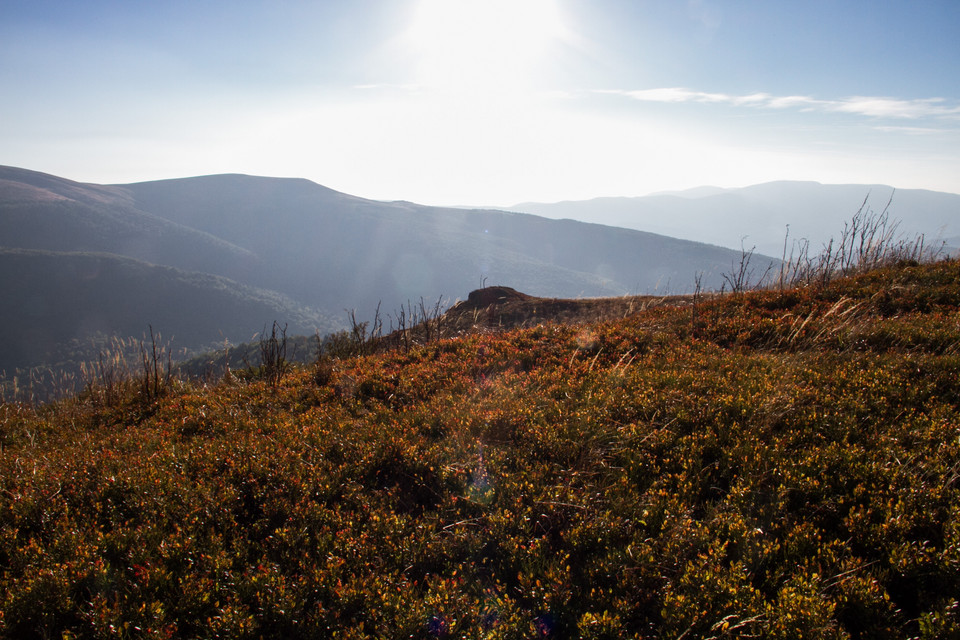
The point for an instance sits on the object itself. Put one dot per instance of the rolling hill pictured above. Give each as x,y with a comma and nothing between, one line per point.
44,212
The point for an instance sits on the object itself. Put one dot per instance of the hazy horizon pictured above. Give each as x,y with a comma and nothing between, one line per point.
493,103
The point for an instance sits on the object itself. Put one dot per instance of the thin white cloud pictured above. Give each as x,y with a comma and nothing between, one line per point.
753,98
789,102
384,86
673,94
919,131
894,108
871,106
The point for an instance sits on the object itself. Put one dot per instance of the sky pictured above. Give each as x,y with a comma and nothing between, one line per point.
485,102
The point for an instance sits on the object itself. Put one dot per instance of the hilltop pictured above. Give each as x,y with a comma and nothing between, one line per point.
781,463
504,307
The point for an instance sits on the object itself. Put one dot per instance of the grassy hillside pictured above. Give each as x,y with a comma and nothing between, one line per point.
780,464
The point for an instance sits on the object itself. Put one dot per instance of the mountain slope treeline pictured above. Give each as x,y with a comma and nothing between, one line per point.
777,464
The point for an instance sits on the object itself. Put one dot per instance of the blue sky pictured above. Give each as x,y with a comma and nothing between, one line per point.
485,102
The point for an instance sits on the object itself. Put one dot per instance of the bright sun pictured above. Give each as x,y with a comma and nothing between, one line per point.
482,43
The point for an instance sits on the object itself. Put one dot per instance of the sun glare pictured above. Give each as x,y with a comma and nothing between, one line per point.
482,43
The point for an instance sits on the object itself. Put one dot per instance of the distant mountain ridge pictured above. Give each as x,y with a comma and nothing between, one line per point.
758,215
294,251
410,250
401,250
43,212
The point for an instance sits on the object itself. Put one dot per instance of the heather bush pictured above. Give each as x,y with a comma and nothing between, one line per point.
789,470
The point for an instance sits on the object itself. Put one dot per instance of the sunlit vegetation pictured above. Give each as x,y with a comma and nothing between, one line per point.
779,463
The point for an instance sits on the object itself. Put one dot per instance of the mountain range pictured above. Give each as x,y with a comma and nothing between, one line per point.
213,259
759,215
218,258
